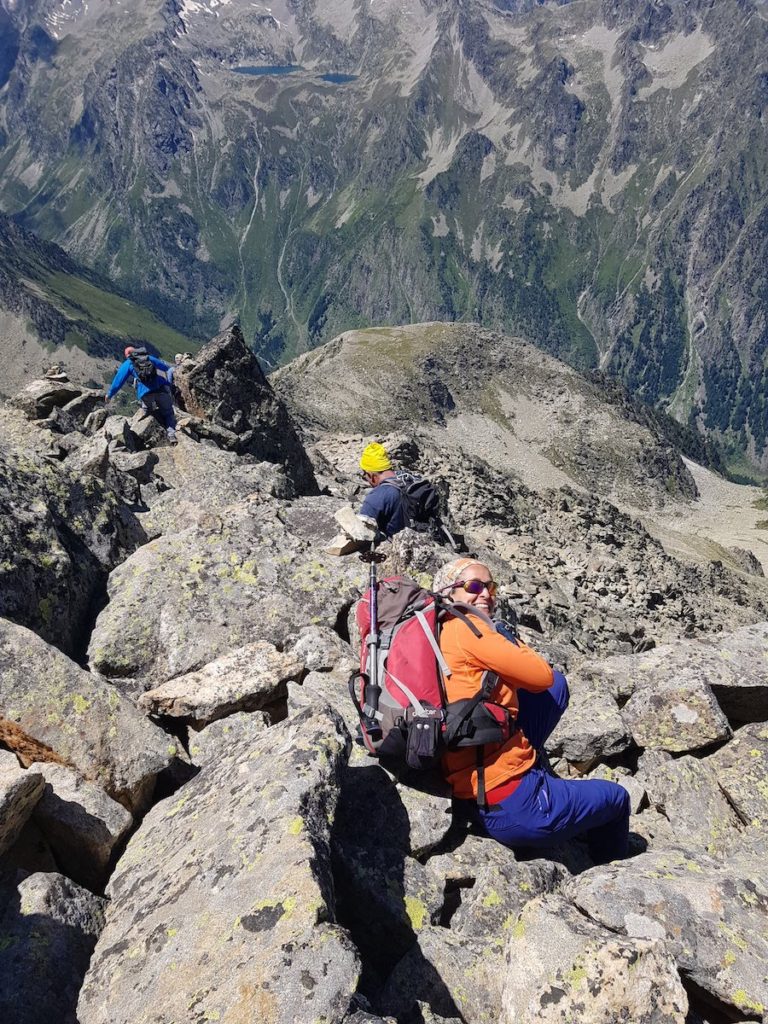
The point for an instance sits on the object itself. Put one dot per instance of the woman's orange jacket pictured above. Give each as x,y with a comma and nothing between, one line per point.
518,668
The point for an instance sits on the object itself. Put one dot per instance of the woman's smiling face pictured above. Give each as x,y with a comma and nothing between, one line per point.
483,601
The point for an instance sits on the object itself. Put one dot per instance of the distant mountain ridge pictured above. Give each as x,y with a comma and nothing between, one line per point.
592,176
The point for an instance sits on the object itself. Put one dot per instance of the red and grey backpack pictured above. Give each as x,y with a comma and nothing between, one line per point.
399,692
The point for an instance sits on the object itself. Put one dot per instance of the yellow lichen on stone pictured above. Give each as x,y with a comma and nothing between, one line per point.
416,911
744,1002
576,974
491,899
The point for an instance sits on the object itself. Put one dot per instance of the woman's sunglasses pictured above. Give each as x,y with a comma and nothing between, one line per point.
476,587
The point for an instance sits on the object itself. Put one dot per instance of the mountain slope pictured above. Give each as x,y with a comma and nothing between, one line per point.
54,309
590,175
494,397
458,392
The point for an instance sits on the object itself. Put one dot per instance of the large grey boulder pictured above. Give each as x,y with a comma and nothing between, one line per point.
675,712
321,649
224,896
592,728
147,431
20,790
562,967
417,811
83,407
317,688
210,743
455,975
40,397
49,927
91,457
199,479
225,385
734,665
52,710
713,917
379,884
687,792
80,822
428,806
486,887
245,680
741,767
253,572
61,535
138,465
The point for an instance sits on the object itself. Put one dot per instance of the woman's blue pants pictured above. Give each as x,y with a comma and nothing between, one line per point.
545,810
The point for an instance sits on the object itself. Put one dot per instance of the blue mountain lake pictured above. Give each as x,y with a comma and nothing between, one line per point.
269,69
334,77
337,78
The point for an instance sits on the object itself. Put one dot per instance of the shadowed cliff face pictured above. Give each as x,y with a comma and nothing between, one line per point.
589,175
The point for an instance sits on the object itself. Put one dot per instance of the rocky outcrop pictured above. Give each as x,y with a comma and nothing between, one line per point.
49,927
19,792
225,385
688,793
81,824
62,534
253,572
246,680
562,966
712,918
742,770
228,904
677,713
52,710
733,666
276,874
40,397
587,578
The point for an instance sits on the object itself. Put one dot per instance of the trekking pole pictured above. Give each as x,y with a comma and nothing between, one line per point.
372,689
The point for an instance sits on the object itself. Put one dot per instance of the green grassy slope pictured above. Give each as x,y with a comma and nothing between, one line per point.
66,303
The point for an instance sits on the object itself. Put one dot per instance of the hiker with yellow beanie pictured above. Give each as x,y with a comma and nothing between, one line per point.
383,505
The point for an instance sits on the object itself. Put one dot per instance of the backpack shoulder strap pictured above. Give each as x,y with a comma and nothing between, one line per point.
462,611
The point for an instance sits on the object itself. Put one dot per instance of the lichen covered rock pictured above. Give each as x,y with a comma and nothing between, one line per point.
713,917
224,906
245,680
251,572
563,967
52,710
49,926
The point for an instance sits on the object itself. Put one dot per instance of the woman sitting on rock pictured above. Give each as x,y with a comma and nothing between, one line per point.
525,805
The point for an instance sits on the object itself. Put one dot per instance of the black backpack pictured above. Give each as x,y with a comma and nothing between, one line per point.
143,366
419,500
420,504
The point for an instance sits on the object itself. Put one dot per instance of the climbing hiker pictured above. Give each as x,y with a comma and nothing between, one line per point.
398,498
152,387
507,788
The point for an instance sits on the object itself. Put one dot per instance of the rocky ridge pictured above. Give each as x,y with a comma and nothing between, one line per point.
187,830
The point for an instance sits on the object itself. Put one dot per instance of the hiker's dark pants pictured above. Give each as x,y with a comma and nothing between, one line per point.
160,405
545,810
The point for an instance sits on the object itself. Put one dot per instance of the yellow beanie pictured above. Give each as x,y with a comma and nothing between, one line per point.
375,459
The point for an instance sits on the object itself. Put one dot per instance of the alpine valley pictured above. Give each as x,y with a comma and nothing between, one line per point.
591,176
